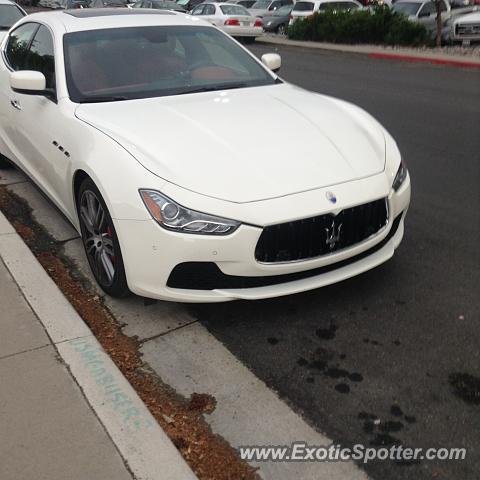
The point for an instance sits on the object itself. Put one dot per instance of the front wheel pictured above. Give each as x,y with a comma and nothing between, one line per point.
100,241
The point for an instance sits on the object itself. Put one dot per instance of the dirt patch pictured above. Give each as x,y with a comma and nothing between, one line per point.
209,456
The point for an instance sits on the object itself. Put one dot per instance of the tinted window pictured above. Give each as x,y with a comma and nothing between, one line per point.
338,6
40,56
303,7
209,10
18,44
262,4
9,14
146,62
407,8
428,8
234,10
284,11
198,10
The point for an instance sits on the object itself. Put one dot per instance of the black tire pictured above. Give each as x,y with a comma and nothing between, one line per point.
100,241
248,40
282,29
5,162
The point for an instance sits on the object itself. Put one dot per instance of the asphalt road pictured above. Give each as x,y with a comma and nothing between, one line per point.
393,343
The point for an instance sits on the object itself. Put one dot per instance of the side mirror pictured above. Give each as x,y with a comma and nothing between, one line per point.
273,61
28,82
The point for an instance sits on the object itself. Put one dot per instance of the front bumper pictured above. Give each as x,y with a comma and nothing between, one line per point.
152,253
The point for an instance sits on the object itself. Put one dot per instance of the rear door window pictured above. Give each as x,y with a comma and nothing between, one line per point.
303,7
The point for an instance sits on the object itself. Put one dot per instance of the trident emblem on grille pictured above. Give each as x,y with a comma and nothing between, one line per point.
333,234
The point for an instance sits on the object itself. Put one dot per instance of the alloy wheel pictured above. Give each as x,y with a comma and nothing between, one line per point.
97,238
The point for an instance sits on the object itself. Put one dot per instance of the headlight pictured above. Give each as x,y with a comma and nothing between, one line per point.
173,216
400,176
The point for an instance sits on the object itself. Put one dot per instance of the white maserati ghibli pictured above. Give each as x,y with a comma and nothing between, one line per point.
147,129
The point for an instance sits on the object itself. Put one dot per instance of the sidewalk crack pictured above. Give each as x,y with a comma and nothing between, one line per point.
153,337
25,351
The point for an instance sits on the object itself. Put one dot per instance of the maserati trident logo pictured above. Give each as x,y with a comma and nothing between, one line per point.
331,197
333,234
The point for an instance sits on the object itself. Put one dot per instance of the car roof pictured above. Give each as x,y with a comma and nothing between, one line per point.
104,18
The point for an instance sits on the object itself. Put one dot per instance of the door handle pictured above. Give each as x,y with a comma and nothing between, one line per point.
15,104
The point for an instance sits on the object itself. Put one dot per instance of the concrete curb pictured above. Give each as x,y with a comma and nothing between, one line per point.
144,446
405,55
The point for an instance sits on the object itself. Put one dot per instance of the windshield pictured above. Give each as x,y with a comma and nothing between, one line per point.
9,14
283,11
234,10
262,4
144,62
303,7
407,8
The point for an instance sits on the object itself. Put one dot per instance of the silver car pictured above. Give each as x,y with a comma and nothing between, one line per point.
423,12
262,7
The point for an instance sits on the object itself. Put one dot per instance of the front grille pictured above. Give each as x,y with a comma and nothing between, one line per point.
468,29
207,275
321,235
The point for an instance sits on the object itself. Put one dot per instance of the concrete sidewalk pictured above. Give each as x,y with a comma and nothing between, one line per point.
47,428
66,410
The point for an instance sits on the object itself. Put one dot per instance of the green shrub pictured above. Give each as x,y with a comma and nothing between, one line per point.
378,26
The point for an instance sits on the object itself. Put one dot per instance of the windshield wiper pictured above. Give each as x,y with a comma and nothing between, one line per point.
112,98
214,88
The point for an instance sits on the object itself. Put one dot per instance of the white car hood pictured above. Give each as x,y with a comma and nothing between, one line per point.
248,144
469,18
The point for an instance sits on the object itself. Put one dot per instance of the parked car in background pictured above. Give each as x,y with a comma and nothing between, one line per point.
160,5
189,5
232,19
108,4
422,11
303,8
466,28
277,21
244,3
447,30
10,13
71,4
262,7
461,3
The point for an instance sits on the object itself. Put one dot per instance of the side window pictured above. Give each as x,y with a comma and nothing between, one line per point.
18,44
427,9
209,10
198,10
40,56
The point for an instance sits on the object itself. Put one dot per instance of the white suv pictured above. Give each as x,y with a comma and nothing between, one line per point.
305,8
